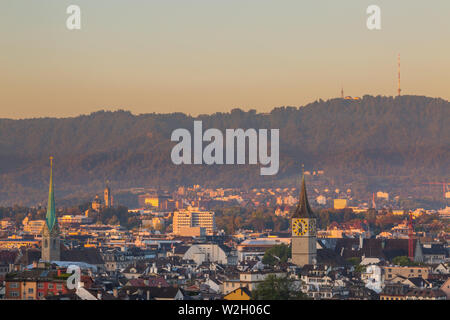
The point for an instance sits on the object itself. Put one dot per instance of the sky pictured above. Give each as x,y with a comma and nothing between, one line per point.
205,56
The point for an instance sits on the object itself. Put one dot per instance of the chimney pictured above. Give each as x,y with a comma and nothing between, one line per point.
59,272
148,294
99,295
115,293
35,264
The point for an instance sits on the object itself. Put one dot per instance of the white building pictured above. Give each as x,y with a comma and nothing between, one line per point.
210,253
373,278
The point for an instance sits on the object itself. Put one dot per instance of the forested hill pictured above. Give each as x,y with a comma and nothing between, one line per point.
406,137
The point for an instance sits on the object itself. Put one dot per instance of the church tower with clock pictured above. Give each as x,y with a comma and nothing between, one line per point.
303,226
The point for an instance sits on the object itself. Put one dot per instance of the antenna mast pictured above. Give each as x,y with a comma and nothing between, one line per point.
399,90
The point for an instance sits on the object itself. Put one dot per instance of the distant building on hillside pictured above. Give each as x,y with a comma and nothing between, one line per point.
157,201
340,204
382,195
33,227
97,204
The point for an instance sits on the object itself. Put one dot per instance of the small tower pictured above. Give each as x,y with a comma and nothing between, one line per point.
107,196
50,233
303,226
410,238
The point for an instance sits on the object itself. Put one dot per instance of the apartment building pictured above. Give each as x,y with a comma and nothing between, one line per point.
189,222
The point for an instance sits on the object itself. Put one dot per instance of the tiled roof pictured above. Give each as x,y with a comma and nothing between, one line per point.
330,257
380,248
426,293
86,255
8,256
436,249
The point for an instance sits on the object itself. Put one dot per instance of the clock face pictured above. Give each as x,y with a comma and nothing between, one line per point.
300,227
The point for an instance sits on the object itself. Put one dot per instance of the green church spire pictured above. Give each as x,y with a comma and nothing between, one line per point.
50,218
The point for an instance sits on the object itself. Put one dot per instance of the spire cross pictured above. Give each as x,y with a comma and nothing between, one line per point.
51,161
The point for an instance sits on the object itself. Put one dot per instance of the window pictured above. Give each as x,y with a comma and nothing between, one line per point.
59,286
14,285
50,285
30,290
40,285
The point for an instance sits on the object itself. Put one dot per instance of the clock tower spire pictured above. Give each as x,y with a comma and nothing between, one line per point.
303,226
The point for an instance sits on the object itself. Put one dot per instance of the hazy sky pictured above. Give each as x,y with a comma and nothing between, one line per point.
202,56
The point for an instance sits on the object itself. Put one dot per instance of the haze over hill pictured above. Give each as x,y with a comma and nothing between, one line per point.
403,140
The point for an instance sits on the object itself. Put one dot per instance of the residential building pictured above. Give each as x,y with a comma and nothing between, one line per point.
390,272
185,219
209,252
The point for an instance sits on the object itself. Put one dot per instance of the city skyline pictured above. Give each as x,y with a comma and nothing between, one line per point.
210,151
209,56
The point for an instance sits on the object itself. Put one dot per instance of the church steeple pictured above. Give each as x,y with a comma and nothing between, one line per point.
50,217
303,209
303,227
50,232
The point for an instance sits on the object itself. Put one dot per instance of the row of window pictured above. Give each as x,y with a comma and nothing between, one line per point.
412,270
15,285
15,294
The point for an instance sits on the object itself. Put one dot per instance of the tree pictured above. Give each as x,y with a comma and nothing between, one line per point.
354,261
404,261
277,254
277,288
